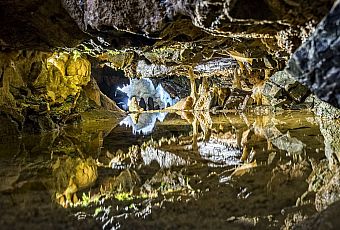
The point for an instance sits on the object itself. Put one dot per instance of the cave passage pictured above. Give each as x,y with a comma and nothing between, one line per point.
148,96
170,114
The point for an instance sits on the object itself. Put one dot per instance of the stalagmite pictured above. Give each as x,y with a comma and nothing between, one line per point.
193,89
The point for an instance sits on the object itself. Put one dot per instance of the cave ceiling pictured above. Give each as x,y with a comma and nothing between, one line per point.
237,43
204,28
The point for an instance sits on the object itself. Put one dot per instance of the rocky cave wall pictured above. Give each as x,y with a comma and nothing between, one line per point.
59,63
49,46
41,90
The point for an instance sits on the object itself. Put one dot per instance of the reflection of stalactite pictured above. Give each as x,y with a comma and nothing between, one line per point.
205,123
134,117
265,127
194,134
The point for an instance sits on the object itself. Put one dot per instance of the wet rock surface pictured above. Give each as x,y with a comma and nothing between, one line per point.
282,90
316,62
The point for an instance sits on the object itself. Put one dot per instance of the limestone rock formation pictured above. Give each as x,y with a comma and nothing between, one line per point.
229,42
37,24
40,90
282,90
317,62
46,24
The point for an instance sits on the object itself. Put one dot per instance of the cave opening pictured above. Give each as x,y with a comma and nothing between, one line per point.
109,81
149,93
145,90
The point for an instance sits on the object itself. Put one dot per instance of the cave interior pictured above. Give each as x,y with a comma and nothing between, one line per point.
171,114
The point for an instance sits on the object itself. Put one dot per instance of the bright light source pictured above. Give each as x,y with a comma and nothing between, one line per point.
144,88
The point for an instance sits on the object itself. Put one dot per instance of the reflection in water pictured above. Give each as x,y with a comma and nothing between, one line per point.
72,175
220,153
232,170
143,123
163,158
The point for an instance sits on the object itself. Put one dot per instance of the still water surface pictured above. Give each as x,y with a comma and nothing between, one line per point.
169,171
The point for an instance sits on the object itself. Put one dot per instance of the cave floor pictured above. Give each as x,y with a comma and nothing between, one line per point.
259,170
